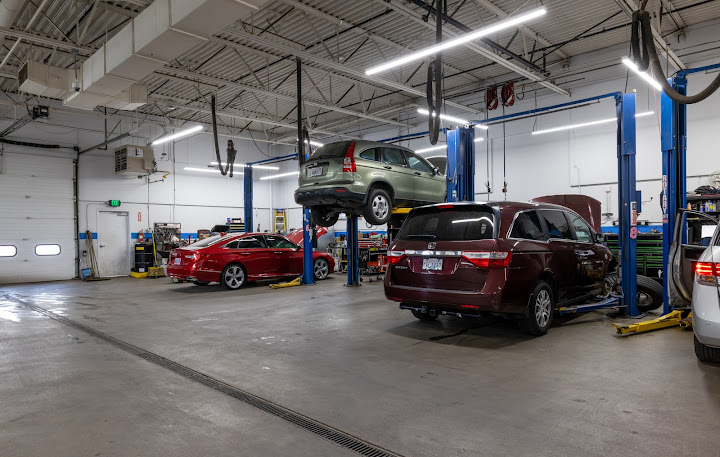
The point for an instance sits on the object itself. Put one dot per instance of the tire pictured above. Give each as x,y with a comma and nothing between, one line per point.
706,354
320,217
233,276
379,207
321,269
539,315
650,292
425,317
201,283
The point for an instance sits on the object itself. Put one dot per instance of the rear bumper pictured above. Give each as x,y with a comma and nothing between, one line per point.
706,315
329,196
191,274
451,301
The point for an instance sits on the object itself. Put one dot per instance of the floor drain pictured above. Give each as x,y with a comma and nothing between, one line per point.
327,432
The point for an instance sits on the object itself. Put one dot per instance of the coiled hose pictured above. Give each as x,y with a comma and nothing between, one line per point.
230,146
641,20
434,72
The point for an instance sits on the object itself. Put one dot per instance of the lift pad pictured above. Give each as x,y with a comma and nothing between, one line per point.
682,318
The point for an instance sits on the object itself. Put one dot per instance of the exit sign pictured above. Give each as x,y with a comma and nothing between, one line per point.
113,202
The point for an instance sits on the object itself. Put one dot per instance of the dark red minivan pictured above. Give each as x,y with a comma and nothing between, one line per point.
471,259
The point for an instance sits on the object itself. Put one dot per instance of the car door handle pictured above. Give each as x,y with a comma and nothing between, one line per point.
245,253
417,173
277,252
388,167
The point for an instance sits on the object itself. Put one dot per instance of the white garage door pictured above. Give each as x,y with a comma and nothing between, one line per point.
36,218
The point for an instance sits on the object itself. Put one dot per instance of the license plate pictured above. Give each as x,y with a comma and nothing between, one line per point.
432,264
315,171
177,261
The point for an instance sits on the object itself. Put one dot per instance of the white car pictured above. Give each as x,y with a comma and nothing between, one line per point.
695,279
706,304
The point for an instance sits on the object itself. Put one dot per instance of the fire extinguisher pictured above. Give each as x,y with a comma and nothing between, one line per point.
141,236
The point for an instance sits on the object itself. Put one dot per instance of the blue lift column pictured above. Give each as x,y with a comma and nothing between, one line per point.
628,201
248,194
353,253
673,142
461,164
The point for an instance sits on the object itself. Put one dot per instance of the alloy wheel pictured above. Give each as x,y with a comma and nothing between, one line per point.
543,308
321,269
380,207
234,277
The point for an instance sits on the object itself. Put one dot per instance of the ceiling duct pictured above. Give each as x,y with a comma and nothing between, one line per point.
162,32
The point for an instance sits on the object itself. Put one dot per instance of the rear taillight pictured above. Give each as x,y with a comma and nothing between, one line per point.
395,256
193,257
487,259
349,161
707,273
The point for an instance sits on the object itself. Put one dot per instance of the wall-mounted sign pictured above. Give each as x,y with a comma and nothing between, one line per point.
114,203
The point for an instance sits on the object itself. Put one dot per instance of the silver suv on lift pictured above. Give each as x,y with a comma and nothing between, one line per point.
366,178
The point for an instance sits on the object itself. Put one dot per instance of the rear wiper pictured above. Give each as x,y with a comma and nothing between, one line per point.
429,237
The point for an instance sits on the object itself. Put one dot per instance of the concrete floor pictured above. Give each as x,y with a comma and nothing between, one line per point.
346,357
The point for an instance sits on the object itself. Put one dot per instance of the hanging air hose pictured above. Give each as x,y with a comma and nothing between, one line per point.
230,147
435,73
645,55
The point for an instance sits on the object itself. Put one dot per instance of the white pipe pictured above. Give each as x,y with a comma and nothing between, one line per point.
30,24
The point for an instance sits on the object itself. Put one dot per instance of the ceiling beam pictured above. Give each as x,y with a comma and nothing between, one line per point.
343,24
629,6
338,67
408,13
42,39
180,104
527,31
194,77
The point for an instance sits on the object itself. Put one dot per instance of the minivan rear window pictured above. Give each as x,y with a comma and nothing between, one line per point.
449,224
331,150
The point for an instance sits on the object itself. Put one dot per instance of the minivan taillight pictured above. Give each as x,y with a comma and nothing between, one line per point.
488,259
707,273
394,257
349,162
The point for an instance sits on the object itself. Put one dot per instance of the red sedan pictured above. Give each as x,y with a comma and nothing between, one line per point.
236,258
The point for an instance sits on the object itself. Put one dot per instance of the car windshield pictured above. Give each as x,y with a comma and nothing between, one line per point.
209,241
457,223
331,150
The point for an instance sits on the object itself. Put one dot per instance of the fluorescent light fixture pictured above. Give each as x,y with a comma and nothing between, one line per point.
281,175
477,140
434,148
316,143
587,124
457,120
208,170
644,75
481,126
504,24
177,135
262,167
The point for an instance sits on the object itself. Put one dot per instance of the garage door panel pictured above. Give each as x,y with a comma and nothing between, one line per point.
13,186
32,165
37,208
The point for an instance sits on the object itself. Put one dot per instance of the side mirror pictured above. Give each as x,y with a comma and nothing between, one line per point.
599,238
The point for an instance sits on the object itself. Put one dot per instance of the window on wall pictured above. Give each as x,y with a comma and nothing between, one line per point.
47,249
8,250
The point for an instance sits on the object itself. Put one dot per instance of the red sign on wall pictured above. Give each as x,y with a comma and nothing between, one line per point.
139,216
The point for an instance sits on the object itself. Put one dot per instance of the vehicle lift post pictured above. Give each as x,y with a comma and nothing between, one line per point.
308,276
461,178
353,253
673,140
248,195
